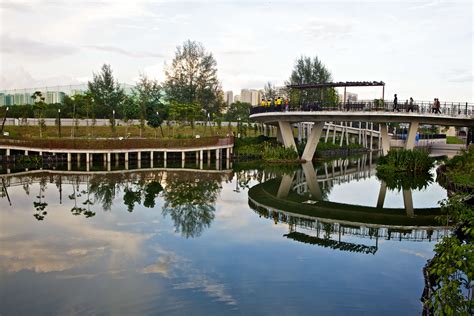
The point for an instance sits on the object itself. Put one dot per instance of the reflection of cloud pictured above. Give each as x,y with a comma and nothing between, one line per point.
81,244
171,265
215,290
415,253
163,266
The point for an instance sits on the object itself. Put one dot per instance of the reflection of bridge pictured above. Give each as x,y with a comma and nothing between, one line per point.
297,200
284,121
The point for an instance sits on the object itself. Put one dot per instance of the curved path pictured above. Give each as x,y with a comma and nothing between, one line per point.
284,120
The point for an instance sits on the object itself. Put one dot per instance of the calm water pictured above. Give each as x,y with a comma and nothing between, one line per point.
187,242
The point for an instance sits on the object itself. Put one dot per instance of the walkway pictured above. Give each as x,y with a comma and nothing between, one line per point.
283,121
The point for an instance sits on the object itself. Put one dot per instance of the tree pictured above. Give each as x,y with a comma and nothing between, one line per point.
238,110
311,70
192,78
106,94
38,109
130,111
269,91
184,112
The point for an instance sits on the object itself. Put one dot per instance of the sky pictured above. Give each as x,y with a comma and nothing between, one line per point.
419,49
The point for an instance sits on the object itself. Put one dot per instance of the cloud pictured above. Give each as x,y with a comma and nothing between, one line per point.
235,52
122,51
462,78
320,29
34,49
415,253
14,6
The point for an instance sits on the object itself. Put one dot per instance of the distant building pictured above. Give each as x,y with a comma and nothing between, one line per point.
237,98
350,97
251,96
229,97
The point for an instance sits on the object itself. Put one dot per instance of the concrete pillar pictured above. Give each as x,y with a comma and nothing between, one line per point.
313,141
217,155
208,156
278,135
285,185
408,202
26,152
165,154
105,157
287,134
8,152
227,153
197,157
201,155
382,193
410,144
69,158
152,156
126,158
385,139
88,158
108,158
183,156
139,156
334,134
312,180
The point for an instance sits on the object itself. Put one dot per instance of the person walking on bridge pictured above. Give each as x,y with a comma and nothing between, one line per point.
395,103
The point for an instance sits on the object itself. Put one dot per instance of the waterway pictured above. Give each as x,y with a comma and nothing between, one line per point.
195,242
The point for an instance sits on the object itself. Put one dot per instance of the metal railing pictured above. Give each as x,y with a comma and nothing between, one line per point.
455,109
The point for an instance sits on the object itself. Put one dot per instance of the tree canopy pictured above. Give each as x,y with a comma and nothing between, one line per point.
192,78
311,70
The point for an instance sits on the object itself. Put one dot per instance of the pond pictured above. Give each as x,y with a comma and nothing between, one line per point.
325,239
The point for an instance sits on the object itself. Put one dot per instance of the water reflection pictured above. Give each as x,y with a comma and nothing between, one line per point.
300,199
189,196
187,242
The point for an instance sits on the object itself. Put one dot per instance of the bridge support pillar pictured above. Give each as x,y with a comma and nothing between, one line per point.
287,134
312,141
278,135
8,152
408,202
385,139
410,144
285,185
382,193
312,180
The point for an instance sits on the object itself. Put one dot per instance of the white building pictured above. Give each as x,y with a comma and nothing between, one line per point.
350,97
237,98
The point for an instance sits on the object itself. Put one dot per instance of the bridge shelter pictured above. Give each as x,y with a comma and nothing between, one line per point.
324,85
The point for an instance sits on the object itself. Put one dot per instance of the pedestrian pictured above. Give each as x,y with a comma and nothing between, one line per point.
410,105
395,103
433,107
438,106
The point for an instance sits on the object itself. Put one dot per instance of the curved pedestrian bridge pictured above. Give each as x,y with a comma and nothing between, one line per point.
284,120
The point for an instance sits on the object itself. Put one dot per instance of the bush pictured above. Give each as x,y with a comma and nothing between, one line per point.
406,161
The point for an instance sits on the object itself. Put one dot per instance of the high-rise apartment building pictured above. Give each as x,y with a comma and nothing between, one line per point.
229,97
250,96
237,98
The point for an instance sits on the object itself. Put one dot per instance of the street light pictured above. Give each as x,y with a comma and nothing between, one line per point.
59,123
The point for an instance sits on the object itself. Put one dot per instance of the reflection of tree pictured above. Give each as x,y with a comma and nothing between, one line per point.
104,190
39,205
399,181
190,203
149,191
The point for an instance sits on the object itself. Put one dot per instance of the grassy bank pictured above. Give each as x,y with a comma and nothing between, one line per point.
32,131
459,171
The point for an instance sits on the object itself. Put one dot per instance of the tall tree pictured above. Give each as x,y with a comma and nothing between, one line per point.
148,94
106,94
192,78
238,110
311,70
38,109
269,91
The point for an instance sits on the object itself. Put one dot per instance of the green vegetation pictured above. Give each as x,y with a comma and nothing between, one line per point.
405,161
311,70
454,140
459,170
405,169
451,271
278,153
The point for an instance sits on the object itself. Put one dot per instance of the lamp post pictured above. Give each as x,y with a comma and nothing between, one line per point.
59,123
4,119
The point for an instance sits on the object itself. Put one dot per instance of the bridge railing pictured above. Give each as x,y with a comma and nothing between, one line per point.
454,109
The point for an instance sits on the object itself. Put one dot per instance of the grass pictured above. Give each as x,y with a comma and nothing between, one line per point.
460,169
454,140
